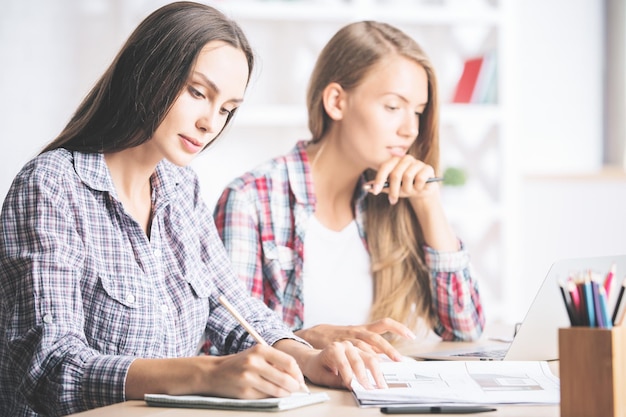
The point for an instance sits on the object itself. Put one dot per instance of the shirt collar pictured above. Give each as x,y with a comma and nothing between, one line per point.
93,171
297,165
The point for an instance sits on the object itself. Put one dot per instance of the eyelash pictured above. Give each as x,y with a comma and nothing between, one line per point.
195,93
393,108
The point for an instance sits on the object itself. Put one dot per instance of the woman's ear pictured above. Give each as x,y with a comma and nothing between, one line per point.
333,97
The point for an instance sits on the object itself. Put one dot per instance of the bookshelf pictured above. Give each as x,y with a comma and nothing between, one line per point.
287,36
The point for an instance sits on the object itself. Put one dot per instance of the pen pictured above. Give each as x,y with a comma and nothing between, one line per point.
386,183
568,304
575,297
615,319
421,409
231,309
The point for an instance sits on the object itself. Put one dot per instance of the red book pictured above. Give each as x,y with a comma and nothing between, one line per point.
467,82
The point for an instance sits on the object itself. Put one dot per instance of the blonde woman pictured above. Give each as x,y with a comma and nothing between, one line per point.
345,229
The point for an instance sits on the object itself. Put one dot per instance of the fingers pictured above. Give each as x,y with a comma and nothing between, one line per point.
390,325
371,334
380,345
401,177
262,371
366,346
361,365
284,371
372,363
350,364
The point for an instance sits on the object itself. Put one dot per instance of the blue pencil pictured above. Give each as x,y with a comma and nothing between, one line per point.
589,302
604,308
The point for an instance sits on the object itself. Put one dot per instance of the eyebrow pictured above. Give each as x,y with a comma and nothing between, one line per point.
214,86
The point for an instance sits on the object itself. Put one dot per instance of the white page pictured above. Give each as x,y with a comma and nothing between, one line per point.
265,404
458,382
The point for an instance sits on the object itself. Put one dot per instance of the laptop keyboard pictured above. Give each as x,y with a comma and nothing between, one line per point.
487,354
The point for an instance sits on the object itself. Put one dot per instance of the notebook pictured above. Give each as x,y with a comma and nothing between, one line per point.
537,337
265,404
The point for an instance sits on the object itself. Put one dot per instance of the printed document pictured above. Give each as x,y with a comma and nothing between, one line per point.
459,382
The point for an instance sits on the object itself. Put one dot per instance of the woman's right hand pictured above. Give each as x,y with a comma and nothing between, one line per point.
258,372
366,337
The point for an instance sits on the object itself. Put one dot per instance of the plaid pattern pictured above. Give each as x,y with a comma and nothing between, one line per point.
83,291
262,217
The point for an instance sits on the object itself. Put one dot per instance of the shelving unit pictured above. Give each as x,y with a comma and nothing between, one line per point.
288,35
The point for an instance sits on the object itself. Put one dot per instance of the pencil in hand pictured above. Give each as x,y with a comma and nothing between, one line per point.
251,330
386,183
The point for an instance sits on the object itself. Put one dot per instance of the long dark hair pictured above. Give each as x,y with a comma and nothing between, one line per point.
133,96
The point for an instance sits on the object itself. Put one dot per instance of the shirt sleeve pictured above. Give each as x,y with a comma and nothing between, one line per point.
44,351
456,300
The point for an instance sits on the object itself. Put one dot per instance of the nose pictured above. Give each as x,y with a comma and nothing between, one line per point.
410,125
208,120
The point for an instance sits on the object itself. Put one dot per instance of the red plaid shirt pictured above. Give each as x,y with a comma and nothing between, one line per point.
262,217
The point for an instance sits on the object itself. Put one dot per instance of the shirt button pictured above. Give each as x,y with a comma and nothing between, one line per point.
47,318
130,298
164,309
157,253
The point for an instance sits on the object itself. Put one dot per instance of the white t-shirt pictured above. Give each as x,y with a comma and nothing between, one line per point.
337,278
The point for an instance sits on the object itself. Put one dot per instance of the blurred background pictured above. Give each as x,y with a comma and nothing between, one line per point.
538,140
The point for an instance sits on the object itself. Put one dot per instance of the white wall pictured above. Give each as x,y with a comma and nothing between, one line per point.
52,52
558,86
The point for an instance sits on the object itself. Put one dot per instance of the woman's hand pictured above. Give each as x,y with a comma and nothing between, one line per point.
336,365
406,177
366,337
258,372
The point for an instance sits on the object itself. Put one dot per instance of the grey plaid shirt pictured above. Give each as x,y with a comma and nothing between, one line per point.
84,291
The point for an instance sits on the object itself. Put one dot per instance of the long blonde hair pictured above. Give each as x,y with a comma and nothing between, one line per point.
402,287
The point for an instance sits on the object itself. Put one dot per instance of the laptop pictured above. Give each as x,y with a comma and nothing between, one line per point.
537,337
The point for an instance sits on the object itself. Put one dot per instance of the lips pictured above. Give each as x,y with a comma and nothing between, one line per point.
397,150
191,144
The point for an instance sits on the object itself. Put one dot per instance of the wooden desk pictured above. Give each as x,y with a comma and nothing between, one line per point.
341,404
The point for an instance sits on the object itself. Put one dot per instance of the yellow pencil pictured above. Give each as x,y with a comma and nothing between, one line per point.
231,309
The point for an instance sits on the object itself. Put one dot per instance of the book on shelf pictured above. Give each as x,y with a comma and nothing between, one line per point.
478,81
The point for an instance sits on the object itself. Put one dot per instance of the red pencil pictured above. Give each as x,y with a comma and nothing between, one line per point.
575,297
609,280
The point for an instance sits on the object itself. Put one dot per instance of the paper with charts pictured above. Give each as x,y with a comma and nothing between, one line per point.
458,382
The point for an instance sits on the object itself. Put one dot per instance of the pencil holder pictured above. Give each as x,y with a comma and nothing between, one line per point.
592,369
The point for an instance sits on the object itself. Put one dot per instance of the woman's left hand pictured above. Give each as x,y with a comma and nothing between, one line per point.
406,177
336,365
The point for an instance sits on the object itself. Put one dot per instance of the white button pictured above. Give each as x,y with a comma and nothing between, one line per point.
157,253
164,308
47,318
130,298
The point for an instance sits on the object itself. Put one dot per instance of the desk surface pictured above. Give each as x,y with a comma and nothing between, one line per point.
341,403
